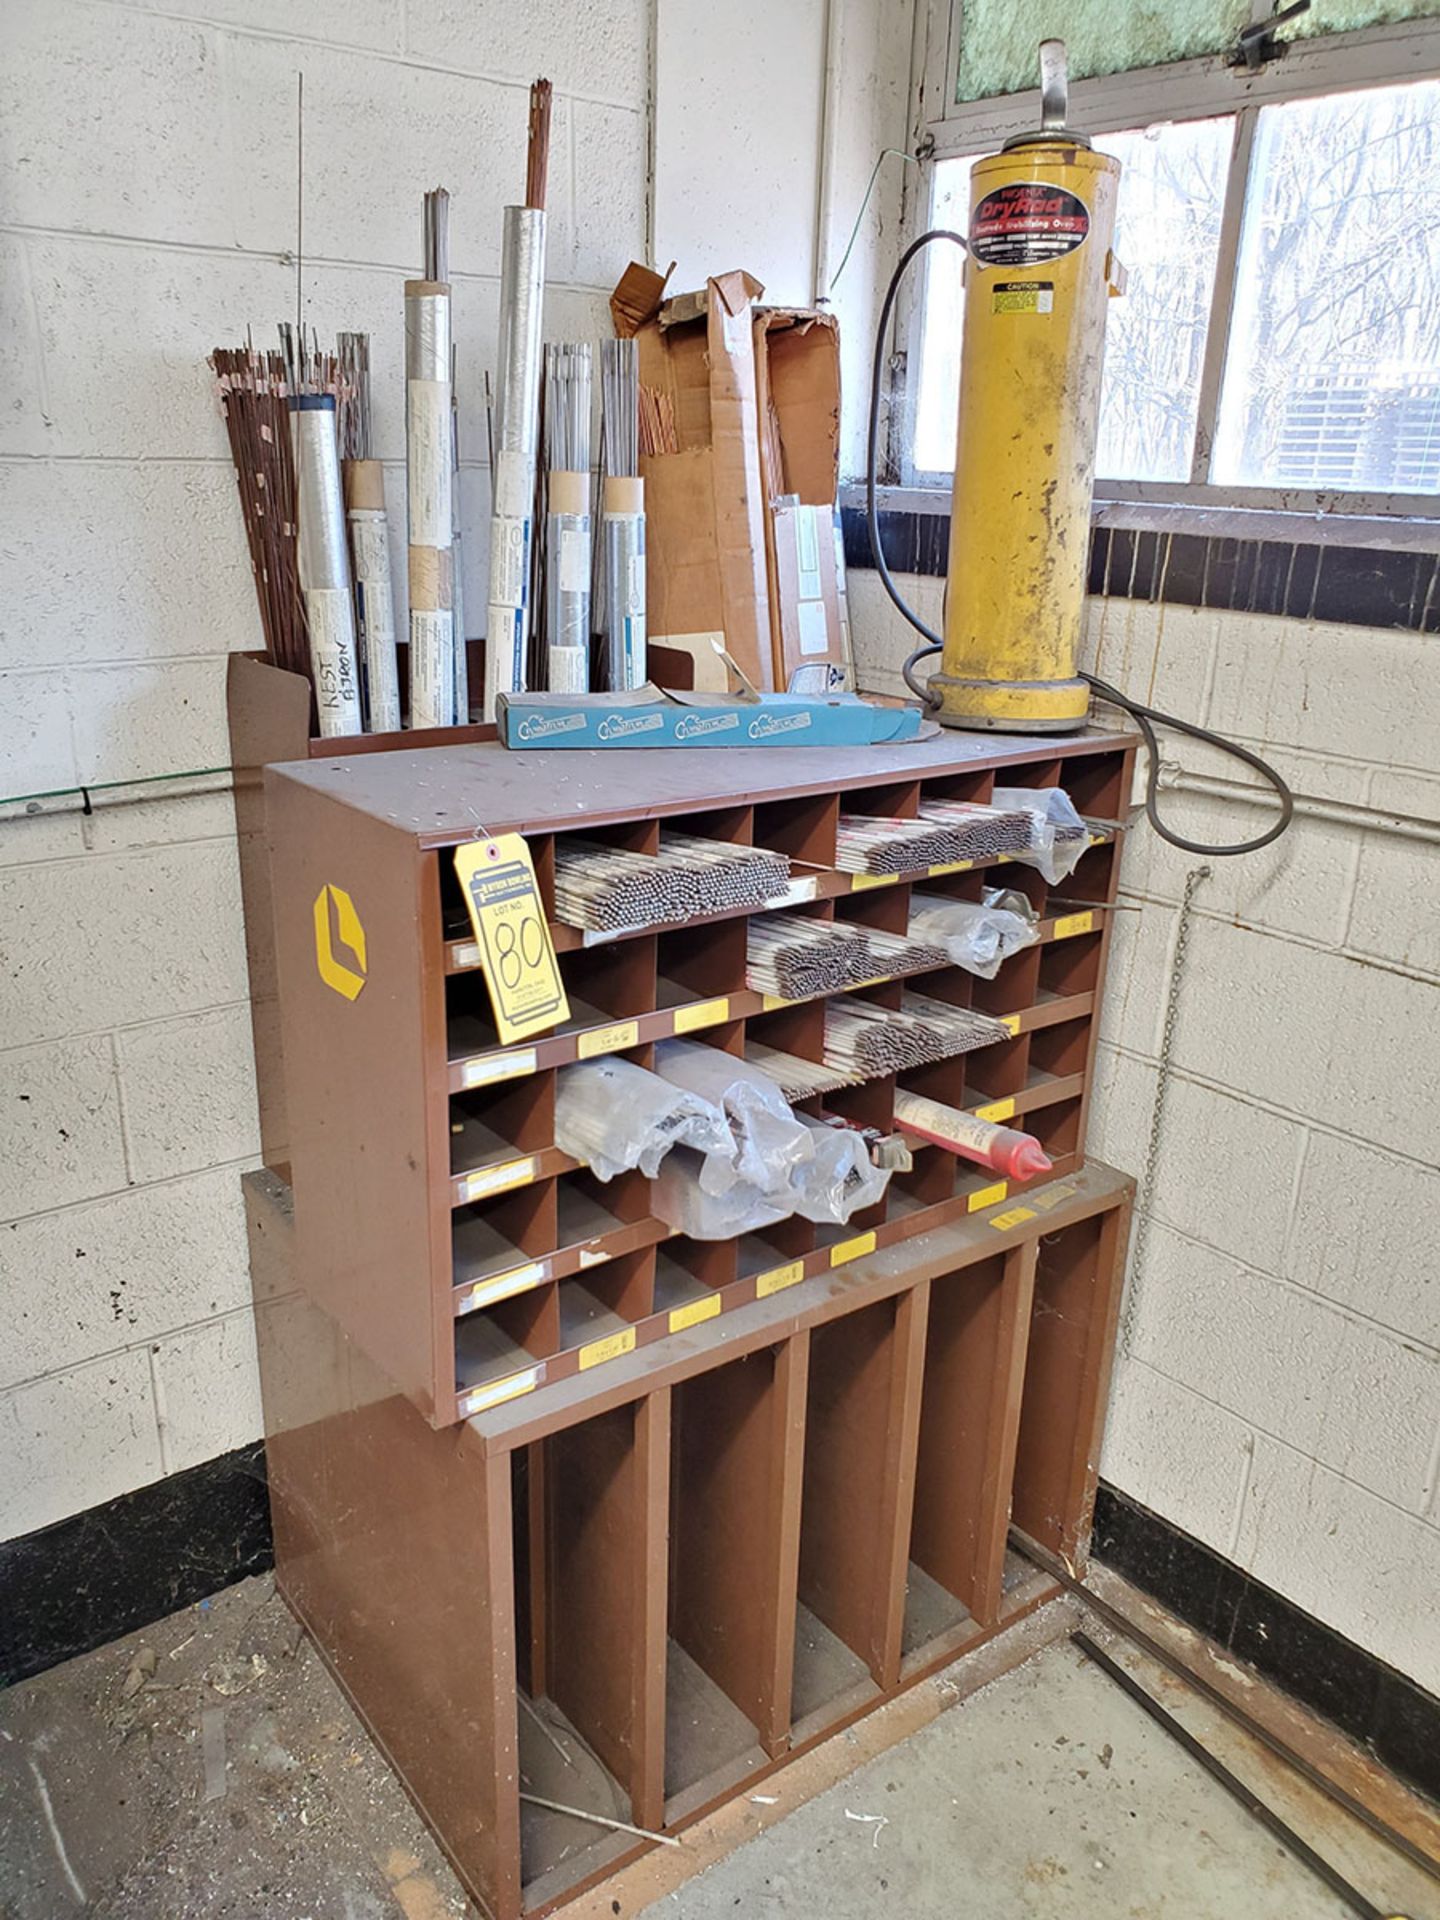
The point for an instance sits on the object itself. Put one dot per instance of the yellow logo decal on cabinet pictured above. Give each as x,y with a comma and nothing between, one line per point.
346,979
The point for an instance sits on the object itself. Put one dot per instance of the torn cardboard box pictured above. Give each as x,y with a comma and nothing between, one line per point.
700,461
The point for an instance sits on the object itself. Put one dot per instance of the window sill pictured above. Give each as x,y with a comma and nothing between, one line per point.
1221,521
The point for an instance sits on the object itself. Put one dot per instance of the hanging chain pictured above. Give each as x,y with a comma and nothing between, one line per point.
1157,1113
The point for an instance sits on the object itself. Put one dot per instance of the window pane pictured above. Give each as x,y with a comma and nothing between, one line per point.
1167,236
938,391
1333,376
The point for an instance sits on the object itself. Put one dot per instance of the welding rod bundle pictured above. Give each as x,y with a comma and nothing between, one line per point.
429,468
364,483
517,418
622,517
567,524
323,554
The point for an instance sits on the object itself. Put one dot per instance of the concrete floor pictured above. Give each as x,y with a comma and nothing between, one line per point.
208,1767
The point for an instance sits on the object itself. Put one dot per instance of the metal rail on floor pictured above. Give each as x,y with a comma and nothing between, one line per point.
1113,1617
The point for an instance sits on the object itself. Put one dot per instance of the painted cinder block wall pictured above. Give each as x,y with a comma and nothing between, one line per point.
147,214
1277,1394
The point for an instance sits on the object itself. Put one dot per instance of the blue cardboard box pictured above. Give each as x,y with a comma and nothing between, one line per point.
654,717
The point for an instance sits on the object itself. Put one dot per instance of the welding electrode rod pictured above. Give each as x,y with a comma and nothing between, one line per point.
608,889
870,1041
946,832
567,527
517,419
457,559
429,458
324,558
622,517
1234,1786
364,481
798,958
254,392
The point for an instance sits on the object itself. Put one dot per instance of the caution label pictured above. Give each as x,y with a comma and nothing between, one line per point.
1023,296
513,935
1025,223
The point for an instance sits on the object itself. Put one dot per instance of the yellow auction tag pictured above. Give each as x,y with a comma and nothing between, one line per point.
610,1348
997,1111
1073,923
691,1316
778,1278
497,878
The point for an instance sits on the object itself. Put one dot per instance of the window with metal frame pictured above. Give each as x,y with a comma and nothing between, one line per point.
1278,345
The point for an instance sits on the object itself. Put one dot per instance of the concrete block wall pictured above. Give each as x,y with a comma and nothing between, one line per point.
1278,1390
147,214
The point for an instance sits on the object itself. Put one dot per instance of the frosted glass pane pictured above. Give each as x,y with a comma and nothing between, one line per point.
1333,375
1000,39
1167,236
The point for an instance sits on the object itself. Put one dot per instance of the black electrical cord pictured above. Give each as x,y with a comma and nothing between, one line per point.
1146,718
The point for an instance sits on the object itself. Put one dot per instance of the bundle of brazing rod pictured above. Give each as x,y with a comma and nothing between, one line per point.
946,831
866,1041
610,890
254,393
517,417
797,958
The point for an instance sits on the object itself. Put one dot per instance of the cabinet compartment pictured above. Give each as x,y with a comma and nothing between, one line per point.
977,1326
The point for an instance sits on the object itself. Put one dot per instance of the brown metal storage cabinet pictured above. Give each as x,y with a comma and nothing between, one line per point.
578,1509
435,1217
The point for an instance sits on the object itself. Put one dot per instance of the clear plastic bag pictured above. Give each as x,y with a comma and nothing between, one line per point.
975,936
679,1198
1059,837
766,1140
838,1180
612,1115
